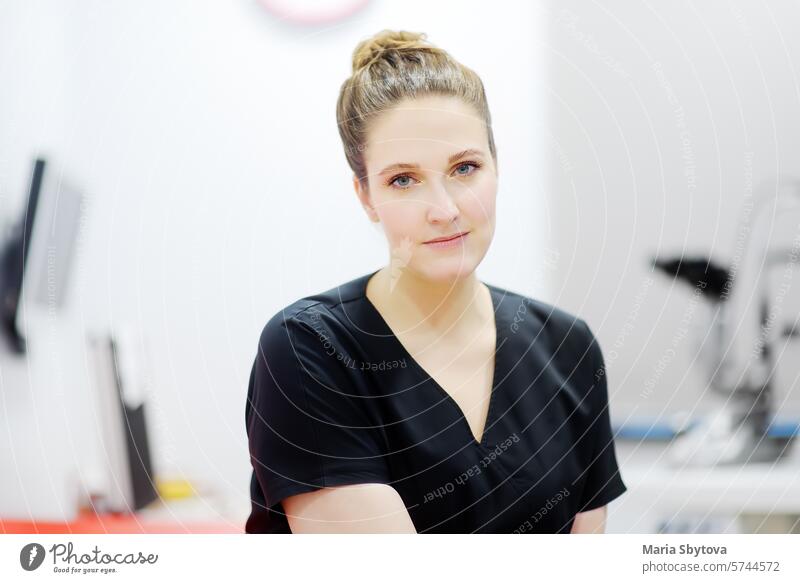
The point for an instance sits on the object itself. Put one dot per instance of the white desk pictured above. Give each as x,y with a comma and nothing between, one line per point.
764,496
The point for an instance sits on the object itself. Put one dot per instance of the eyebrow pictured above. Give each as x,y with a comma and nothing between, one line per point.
450,160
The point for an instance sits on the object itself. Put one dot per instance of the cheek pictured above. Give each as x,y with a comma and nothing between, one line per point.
479,204
401,219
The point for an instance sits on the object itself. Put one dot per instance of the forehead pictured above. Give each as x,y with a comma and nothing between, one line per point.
420,128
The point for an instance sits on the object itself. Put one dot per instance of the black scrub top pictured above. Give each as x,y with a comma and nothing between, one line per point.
334,398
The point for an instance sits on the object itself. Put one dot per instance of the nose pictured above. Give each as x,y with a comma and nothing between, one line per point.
443,208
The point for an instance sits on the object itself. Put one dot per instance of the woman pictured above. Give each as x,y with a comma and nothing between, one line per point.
417,398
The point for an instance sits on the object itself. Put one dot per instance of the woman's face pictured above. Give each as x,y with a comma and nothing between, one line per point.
431,175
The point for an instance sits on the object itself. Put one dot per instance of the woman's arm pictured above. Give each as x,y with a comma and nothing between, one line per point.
590,522
360,508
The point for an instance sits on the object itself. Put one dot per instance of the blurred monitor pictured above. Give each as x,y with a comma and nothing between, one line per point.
46,231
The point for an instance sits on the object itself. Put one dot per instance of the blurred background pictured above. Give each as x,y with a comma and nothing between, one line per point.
170,171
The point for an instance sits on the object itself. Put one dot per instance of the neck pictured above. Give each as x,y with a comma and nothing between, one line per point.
420,304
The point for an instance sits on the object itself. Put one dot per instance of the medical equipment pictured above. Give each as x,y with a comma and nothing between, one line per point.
739,347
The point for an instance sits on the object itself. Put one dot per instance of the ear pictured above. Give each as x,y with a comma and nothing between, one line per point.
363,196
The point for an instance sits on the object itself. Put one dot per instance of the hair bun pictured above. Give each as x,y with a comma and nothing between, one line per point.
370,50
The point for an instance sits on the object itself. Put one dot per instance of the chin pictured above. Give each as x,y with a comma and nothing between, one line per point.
448,269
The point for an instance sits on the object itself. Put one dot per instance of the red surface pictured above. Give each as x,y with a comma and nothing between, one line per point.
89,522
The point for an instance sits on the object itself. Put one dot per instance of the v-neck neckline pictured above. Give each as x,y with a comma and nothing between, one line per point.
418,367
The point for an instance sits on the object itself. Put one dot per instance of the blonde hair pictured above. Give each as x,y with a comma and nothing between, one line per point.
393,65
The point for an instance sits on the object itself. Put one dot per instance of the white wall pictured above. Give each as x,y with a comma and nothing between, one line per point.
205,136
38,455
664,119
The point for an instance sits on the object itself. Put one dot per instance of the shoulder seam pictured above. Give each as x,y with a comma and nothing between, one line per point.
317,303
303,386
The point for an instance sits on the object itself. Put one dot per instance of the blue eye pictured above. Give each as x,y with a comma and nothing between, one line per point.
475,165
401,177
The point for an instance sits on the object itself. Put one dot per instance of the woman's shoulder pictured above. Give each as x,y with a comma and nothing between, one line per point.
524,312
563,339
317,313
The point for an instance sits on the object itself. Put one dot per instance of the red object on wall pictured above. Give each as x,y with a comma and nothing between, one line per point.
89,522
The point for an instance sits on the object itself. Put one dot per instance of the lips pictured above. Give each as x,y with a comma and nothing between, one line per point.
450,238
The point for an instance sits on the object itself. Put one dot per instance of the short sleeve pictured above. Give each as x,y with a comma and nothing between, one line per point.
309,423
603,482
